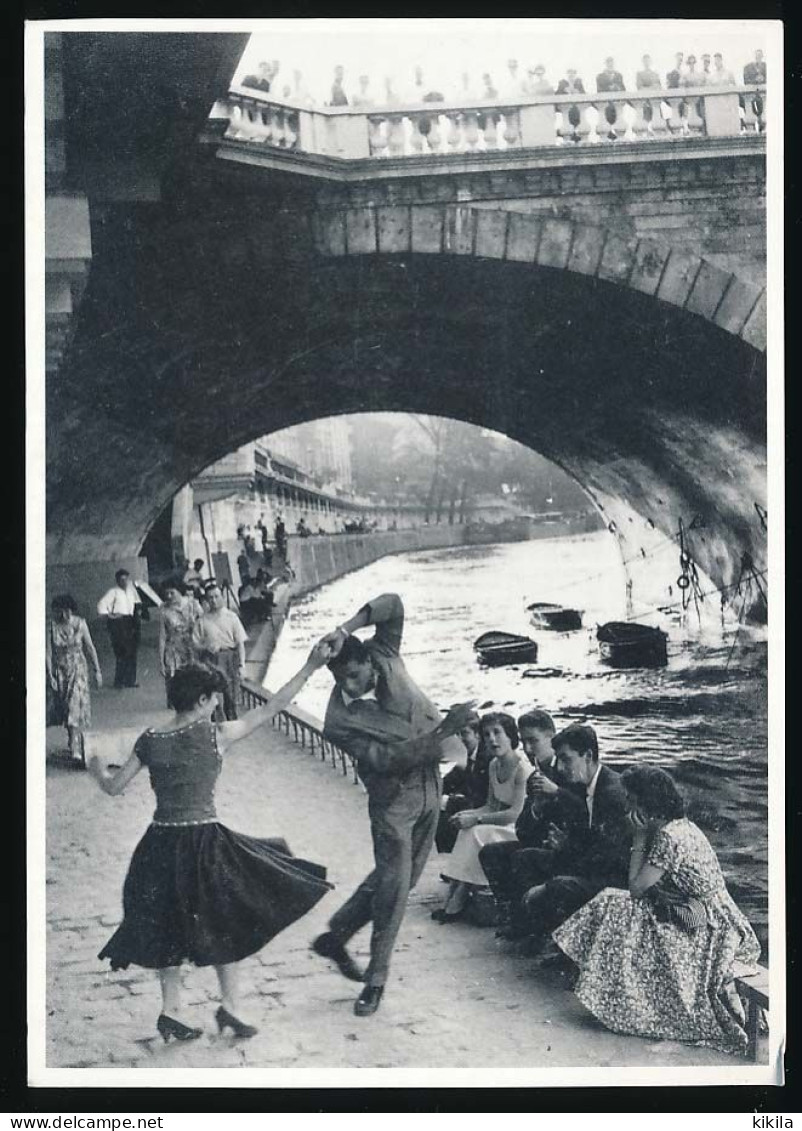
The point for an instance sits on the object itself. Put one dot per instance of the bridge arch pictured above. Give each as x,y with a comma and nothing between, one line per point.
650,267
199,333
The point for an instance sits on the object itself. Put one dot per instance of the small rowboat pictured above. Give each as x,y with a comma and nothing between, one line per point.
626,645
554,617
495,648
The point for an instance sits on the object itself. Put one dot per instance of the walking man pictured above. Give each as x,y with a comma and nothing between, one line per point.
121,608
220,639
395,734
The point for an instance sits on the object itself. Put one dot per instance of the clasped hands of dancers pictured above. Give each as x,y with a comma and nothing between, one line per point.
201,893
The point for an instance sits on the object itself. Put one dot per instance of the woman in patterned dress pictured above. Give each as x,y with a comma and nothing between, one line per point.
179,614
494,821
197,891
657,960
69,648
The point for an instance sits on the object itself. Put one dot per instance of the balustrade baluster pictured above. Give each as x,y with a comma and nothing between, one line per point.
419,133
489,131
592,117
647,119
395,140
455,139
696,116
611,117
512,129
291,128
377,138
629,116
435,138
471,129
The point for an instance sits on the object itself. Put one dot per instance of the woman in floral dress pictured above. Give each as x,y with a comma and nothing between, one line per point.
69,648
657,960
179,614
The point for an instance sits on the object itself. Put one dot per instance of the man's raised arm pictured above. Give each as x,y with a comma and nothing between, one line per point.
386,612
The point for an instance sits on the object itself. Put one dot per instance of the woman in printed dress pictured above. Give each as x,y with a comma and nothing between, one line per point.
657,960
197,891
494,821
179,615
70,651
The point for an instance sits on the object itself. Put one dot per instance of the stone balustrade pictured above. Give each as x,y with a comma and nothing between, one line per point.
446,128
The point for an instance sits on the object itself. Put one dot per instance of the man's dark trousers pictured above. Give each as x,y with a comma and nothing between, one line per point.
403,825
124,633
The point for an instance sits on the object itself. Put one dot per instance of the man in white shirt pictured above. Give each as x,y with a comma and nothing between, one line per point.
121,608
220,641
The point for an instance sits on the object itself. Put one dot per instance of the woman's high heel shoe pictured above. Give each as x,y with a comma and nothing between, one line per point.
168,1027
226,1020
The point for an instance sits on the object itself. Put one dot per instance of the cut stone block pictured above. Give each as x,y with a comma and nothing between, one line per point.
754,331
460,228
330,233
360,231
650,259
427,228
523,237
555,243
618,259
491,233
710,285
678,277
394,229
586,249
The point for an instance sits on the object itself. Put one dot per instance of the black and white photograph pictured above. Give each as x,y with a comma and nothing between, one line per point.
404,552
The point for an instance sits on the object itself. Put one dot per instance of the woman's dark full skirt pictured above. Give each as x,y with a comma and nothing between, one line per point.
207,895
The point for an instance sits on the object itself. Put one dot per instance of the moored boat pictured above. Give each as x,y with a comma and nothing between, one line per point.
629,645
557,618
495,648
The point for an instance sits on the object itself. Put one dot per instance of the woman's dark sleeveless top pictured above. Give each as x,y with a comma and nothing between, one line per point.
184,766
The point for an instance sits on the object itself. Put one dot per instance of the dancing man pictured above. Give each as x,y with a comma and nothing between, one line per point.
379,715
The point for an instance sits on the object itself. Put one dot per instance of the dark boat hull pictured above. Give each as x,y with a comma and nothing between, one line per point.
632,646
555,619
497,648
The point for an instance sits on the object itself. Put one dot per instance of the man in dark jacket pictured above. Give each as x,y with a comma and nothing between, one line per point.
464,787
394,732
572,84
609,79
581,865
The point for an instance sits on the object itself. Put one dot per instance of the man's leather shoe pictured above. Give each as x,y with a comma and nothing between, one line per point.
329,946
368,1001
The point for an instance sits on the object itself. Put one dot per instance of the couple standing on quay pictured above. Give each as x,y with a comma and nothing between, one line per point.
198,892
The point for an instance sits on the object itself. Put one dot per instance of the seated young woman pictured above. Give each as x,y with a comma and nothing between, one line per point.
657,960
493,821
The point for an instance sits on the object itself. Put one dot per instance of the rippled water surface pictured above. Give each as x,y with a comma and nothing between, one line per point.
704,716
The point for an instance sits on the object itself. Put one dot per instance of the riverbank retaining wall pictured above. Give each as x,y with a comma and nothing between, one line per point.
323,558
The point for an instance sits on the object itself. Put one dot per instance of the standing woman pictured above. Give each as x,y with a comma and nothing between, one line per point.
196,891
491,822
69,649
179,615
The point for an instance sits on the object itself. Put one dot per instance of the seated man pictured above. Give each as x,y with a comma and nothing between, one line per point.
464,787
577,867
512,867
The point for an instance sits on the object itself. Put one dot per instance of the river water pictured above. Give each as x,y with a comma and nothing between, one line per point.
703,717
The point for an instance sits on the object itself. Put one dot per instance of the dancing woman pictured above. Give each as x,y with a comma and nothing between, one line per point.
196,891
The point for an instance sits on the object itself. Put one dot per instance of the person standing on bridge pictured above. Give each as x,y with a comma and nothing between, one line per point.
197,891
379,715
121,607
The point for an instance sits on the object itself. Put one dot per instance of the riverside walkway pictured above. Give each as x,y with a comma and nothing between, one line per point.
458,998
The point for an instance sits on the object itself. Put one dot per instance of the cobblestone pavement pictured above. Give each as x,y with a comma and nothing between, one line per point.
457,996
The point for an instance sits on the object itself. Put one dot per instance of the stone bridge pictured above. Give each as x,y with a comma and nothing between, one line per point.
586,276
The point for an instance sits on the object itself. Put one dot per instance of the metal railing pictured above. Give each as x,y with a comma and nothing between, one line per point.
302,728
